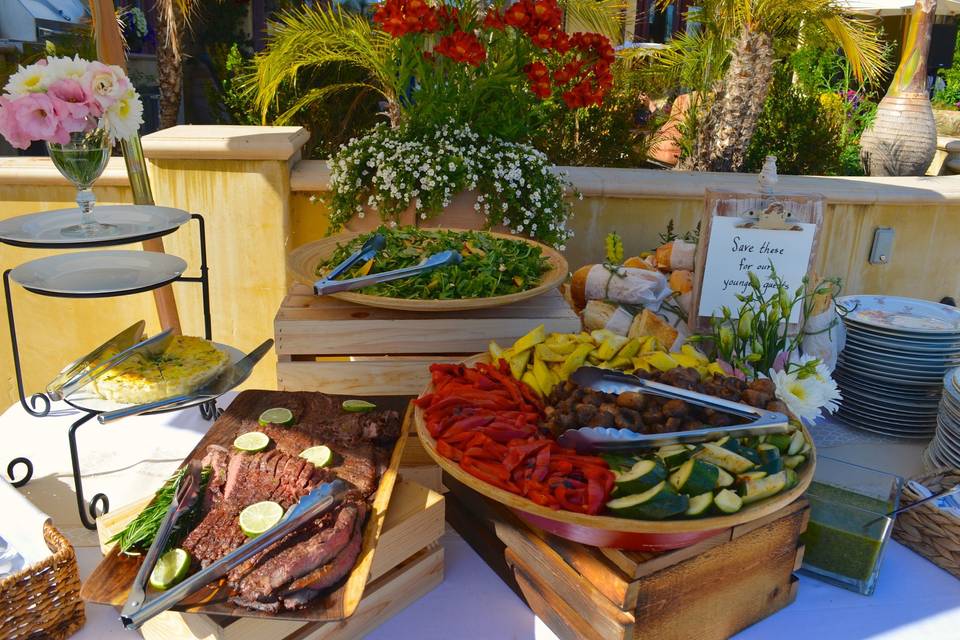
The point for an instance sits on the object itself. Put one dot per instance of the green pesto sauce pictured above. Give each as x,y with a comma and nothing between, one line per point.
836,539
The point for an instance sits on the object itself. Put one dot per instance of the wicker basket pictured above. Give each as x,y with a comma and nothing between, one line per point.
43,600
931,533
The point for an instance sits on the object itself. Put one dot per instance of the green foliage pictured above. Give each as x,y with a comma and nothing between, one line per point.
613,246
618,133
798,129
948,97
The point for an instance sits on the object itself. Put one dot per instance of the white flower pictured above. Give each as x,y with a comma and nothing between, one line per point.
74,68
828,386
107,83
124,118
30,79
806,396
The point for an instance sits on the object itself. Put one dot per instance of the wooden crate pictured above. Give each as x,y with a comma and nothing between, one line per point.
708,591
407,564
342,348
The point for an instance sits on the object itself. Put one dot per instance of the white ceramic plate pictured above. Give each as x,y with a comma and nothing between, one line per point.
894,356
911,347
902,315
881,400
98,273
890,377
872,427
85,399
131,223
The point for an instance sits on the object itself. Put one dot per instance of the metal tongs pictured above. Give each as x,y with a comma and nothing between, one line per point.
584,439
329,284
314,504
183,500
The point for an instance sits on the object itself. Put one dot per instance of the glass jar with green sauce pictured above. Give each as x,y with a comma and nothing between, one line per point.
848,528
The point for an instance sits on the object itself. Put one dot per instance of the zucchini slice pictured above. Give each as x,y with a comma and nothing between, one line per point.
768,452
728,502
675,455
796,443
754,490
695,477
756,474
740,450
724,479
699,504
779,440
792,462
656,503
643,475
724,458
772,466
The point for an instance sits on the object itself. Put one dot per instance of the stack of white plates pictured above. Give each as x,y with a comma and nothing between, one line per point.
891,371
944,451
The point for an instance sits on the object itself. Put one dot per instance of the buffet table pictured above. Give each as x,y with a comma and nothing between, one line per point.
129,459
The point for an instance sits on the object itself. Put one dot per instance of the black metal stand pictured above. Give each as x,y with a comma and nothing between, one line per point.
99,503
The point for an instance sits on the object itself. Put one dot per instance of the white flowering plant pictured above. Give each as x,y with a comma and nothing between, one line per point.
390,170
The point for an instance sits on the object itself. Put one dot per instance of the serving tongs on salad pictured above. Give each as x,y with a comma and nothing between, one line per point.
88,368
586,439
311,506
329,283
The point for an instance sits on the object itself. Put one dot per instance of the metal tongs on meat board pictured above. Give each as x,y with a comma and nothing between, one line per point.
138,610
329,284
586,439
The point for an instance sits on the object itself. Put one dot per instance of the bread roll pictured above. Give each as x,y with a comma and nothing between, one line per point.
676,255
628,286
596,313
681,281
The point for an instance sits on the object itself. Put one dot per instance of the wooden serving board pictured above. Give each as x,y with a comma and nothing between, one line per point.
303,263
110,581
656,535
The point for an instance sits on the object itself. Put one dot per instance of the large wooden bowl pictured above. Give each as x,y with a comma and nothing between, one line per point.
303,263
607,531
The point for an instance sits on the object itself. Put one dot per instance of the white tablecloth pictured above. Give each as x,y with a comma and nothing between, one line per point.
126,460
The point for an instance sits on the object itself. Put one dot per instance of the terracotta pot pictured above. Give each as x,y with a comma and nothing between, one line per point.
460,214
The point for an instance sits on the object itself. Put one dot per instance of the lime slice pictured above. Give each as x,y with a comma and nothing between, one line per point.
277,415
319,456
358,406
259,517
252,441
171,568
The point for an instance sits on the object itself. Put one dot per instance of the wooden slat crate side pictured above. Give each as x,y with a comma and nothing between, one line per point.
724,589
412,524
307,325
563,581
562,619
398,376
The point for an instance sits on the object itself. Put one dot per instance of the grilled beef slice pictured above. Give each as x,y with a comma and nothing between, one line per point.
296,560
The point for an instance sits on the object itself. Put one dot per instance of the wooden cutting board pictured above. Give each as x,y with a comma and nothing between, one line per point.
110,581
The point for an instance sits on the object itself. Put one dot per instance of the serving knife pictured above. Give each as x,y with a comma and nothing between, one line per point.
227,380
585,439
183,500
314,504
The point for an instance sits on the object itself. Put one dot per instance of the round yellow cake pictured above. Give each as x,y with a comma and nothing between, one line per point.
185,365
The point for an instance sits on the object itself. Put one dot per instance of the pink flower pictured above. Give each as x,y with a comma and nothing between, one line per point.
37,119
106,84
71,104
9,128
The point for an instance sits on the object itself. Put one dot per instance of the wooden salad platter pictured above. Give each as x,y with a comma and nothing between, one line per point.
303,262
608,531
110,581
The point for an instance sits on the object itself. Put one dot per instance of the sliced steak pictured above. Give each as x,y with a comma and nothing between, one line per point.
300,559
325,575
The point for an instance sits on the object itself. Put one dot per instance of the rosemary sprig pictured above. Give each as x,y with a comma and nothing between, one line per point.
142,530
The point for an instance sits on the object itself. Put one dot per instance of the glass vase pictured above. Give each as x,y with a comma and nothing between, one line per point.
81,161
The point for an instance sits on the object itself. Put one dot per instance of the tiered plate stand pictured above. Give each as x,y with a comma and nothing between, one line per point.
36,231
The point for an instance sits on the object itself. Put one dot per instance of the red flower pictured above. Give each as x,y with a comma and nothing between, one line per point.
518,14
561,42
541,89
493,20
536,71
461,47
400,17
542,38
547,13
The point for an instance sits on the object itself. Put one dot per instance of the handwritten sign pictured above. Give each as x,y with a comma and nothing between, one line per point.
735,251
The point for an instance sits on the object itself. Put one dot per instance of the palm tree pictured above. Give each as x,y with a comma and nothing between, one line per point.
173,18
903,137
734,65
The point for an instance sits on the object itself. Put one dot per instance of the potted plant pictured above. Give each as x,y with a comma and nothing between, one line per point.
465,87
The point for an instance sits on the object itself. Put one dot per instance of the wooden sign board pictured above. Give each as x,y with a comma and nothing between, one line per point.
744,232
